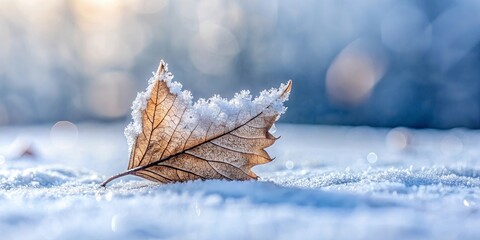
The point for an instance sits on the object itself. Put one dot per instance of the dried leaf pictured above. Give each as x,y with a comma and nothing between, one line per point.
173,140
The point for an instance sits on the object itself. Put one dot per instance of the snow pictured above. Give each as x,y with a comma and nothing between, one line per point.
213,109
323,184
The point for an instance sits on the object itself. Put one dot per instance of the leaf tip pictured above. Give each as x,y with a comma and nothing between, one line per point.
287,90
162,68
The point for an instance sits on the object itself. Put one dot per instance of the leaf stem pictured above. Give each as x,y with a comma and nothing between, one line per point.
104,184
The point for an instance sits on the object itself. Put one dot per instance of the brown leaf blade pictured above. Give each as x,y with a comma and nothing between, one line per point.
178,141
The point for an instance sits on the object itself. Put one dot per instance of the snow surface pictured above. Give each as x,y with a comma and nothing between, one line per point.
326,183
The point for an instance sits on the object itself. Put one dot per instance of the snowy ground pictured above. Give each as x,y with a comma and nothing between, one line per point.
326,183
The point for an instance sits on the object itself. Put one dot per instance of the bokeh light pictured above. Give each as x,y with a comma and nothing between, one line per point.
289,165
397,139
372,157
353,75
378,63
64,134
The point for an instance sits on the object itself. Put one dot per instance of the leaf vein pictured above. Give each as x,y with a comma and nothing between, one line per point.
183,170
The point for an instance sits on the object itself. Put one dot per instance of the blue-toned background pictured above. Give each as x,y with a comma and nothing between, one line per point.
374,62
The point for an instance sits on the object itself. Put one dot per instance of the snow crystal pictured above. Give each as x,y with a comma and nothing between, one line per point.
215,109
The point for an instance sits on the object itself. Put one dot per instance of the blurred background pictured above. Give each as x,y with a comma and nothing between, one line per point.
375,62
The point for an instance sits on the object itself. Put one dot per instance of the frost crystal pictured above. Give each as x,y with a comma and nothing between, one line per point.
238,109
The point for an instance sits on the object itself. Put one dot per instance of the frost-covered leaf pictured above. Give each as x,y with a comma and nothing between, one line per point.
173,140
